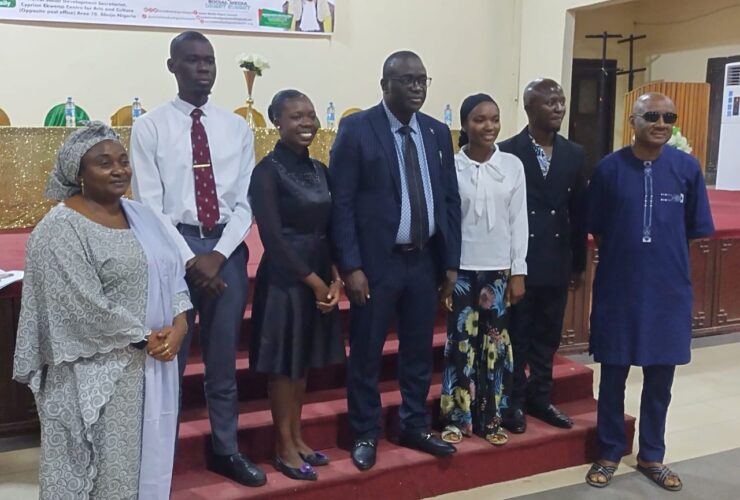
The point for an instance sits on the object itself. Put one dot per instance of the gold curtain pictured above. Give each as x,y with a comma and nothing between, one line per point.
27,154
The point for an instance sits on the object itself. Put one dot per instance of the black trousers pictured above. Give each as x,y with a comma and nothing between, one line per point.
407,292
535,329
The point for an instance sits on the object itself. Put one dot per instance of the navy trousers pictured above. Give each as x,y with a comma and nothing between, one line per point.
220,324
406,291
656,396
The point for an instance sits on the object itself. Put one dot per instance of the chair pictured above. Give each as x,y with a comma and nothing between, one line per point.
348,112
4,120
257,117
55,116
123,118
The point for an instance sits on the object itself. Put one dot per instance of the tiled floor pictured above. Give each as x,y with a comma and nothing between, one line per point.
704,418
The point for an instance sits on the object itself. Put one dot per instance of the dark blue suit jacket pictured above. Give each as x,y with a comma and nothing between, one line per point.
556,207
366,192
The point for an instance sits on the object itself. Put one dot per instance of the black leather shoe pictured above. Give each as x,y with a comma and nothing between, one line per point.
515,421
305,472
552,416
363,453
237,468
426,442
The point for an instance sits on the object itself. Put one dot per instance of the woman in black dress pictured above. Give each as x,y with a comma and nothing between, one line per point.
295,317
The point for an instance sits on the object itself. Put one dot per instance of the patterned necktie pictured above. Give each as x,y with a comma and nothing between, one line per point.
206,199
417,199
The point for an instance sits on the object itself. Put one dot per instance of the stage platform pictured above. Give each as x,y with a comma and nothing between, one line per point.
725,211
400,473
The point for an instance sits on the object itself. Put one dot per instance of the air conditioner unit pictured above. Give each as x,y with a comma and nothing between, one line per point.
728,159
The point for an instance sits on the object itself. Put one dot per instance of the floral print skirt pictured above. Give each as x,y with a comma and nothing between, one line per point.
478,361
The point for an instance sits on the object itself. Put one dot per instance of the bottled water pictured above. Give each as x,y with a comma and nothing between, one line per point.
135,109
70,119
448,116
330,116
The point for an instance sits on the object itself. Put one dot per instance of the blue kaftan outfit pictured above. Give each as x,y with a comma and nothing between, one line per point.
645,213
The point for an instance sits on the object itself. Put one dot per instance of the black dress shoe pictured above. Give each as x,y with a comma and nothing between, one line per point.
552,416
426,442
237,468
363,453
514,421
316,458
303,473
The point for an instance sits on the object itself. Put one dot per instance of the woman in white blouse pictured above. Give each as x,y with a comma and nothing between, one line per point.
478,357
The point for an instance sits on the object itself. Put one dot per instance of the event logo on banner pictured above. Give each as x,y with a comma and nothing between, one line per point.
271,16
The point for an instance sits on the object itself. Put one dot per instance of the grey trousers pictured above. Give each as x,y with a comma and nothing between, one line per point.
220,324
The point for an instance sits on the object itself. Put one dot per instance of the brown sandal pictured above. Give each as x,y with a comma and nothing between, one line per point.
659,474
452,434
605,470
498,438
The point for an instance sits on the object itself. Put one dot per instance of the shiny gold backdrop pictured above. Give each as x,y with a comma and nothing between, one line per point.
27,154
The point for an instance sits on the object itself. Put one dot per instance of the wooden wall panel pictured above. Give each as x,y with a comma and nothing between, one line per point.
727,286
702,254
692,106
17,405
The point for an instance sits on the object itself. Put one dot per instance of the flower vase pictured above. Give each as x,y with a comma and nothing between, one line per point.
250,76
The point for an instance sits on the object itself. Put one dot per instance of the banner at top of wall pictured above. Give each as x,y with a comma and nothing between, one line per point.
314,17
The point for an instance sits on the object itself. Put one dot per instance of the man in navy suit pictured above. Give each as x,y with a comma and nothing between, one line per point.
396,231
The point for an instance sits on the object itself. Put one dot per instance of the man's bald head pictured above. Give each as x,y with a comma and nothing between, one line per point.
539,87
186,36
397,58
544,103
653,116
649,100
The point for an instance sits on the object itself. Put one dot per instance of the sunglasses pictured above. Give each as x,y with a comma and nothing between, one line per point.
654,116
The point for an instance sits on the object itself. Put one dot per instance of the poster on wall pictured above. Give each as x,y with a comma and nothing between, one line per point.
314,17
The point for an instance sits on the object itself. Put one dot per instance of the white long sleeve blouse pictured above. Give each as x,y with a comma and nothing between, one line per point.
494,213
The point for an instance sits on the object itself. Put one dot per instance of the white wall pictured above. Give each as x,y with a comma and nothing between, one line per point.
495,46
547,36
687,65
104,68
681,37
619,19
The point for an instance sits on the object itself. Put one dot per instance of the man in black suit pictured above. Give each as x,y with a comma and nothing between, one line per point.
396,233
555,171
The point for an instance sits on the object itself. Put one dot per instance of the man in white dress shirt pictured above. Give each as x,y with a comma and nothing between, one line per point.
192,163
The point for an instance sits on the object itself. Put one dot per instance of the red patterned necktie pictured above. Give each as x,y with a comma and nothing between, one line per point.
206,199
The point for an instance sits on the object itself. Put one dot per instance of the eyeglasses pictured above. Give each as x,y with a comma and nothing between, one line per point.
654,116
409,81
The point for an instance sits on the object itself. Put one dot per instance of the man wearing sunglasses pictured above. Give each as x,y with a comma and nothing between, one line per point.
646,202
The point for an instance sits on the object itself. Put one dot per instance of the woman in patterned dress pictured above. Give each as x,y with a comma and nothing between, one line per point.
478,363
102,318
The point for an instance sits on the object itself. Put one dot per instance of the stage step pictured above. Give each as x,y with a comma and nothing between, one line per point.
400,473
253,385
325,421
407,474
246,328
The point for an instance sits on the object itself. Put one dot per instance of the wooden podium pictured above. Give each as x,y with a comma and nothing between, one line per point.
692,106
